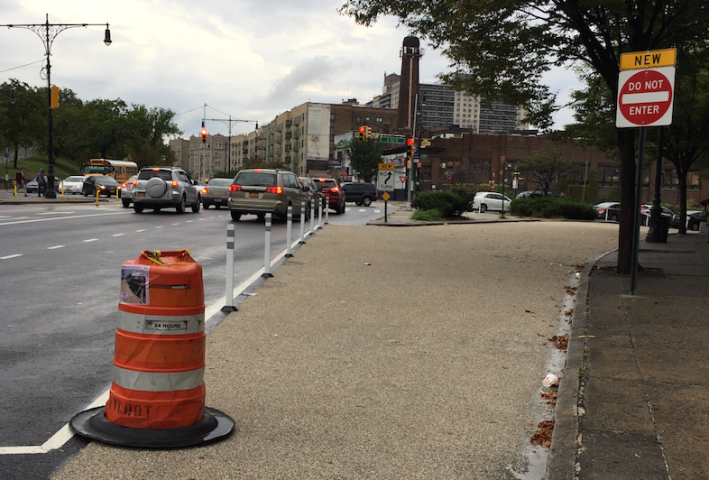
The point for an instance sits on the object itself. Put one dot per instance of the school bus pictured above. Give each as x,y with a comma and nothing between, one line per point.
121,170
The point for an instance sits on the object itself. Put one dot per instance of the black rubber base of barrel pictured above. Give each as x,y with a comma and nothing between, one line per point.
92,424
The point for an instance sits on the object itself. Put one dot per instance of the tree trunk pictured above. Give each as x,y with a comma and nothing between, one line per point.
626,144
682,176
16,155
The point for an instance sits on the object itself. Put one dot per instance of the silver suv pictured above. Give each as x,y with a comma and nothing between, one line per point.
165,187
260,191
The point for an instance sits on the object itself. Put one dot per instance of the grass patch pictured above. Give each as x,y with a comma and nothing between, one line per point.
427,215
62,167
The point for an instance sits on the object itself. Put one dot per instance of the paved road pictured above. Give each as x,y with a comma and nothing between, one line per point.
60,269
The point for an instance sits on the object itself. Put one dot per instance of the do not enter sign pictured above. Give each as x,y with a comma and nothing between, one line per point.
645,97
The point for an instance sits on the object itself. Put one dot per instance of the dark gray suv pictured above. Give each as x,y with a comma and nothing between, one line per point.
360,193
165,187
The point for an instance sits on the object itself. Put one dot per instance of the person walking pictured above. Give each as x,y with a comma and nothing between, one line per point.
41,182
21,181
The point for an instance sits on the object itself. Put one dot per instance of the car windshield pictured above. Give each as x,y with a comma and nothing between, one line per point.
220,182
255,179
148,174
323,183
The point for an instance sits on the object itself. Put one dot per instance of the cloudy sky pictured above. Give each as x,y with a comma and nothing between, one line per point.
251,59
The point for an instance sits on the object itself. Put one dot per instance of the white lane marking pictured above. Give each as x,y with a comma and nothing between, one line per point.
138,231
377,211
55,247
34,220
54,213
11,256
189,221
58,439
362,210
89,240
159,226
118,234
176,223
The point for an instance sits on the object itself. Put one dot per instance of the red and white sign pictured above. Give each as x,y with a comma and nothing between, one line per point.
645,97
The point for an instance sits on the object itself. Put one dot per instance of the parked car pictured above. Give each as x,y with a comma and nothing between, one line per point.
165,187
260,191
72,184
614,213
534,194
104,184
360,193
32,186
485,201
602,208
316,197
216,192
694,218
125,191
331,192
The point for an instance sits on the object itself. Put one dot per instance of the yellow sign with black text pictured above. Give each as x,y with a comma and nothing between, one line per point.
649,59
386,166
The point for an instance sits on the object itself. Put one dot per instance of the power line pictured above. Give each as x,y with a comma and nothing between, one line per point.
21,66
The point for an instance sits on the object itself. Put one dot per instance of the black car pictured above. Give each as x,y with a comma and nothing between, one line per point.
360,193
104,184
694,218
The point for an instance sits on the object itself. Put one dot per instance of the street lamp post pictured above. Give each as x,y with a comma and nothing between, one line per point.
229,121
47,32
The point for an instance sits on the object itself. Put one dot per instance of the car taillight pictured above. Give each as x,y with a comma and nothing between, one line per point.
278,190
334,189
123,185
204,190
234,188
174,183
135,182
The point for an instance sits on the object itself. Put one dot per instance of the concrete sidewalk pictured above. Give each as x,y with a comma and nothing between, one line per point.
634,401
393,353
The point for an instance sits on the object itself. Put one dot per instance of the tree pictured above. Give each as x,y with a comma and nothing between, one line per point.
365,157
23,116
507,47
546,167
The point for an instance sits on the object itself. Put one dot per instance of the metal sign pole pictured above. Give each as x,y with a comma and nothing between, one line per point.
636,213
229,296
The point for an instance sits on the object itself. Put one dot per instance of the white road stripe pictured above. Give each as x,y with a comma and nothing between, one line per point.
159,226
377,211
34,220
91,240
55,247
361,210
11,256
118,234
138,231
54,213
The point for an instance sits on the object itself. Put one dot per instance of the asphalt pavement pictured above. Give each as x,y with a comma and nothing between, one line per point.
419,352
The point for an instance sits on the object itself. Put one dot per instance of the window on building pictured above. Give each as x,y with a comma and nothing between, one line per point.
608,176
366,120
380,120
358,120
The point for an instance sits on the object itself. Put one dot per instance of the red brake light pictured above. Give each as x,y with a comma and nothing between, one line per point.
234,188
156,169
274,190
257,171
174,183
135,182
204,190
123,185
334,189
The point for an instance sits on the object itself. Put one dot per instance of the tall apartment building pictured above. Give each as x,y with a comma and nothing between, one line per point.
304,138
181,147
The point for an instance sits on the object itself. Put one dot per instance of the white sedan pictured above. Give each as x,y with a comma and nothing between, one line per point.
72,184
485,201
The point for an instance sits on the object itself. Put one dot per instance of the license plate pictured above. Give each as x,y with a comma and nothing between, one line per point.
253,195
217,200
140,194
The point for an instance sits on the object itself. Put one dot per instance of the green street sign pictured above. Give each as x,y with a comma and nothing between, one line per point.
400,140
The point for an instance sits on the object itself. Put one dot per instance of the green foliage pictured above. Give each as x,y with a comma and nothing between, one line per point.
427,215
546,167
552,207
365,157
450,204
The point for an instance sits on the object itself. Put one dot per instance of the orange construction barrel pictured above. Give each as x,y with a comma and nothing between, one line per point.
157,396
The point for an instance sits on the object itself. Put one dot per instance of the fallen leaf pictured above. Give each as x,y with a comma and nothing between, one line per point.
570,292
560,342
505,368
543,434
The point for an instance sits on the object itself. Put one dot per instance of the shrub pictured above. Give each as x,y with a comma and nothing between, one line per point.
449,204
552,207
427,215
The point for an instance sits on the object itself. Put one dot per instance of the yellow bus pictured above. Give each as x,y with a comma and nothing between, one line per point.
121,170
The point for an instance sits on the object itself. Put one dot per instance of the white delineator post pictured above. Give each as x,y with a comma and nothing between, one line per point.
267,249
312,219
319,215
289,228
302,223
229,296
327,210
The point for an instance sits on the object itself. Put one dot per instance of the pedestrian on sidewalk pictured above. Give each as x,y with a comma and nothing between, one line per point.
21,181
41,182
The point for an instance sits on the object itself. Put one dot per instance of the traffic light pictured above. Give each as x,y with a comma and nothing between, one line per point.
204,133
410,148
367,132
362,131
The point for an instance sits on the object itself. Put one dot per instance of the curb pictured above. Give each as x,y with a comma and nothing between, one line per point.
561,464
